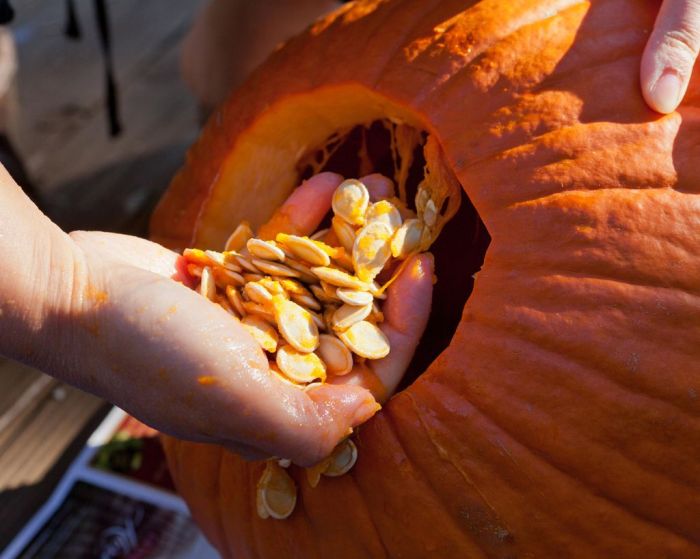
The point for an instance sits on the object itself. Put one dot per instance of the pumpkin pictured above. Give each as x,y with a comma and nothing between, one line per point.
556,413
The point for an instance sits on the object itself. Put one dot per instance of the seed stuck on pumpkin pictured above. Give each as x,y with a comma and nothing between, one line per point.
342,459
276,492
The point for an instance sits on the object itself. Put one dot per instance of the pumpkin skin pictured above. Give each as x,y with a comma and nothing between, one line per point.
563,420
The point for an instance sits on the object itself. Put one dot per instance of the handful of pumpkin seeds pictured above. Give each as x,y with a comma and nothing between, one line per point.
313,303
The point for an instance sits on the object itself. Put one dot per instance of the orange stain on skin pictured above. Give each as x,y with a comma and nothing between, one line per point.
206,380
98,296
172,309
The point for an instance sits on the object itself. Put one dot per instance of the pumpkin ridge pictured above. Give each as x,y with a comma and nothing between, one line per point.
570,478
586,360
445,456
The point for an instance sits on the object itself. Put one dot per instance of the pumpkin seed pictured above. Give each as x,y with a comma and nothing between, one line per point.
372,249
239,237
197,256
344,231
318,320
256,292
276,492
275,269
273,286
293,287
430,214
262,332
384,212
347,315
320,234
250,277
352,297
407,239
350,201
245,262
235,299
366,340
321,295
304,249
306,301
284,462
224,277
342,459
300,366
330,291
224,304
295,324
304,272
266,250
340,278
335,355
207,287
263,311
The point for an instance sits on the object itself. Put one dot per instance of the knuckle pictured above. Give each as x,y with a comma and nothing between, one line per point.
683,42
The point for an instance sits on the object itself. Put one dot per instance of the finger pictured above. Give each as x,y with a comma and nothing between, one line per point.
378,186
303,211
670,54
406,313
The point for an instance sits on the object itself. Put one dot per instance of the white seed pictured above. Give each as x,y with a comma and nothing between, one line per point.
245,262
340,278
407,239
284,462
273,286
234,298
347,315
372,249
295,324
292,287
422,197
344,231
430,214
307,302
366,340
276,492
335,355
353,297
266,250
263,311
321,295
320,234
318,320
300,366
262,331
384,212
275,269
224,277
304,273
342,459
256,292
305,249
239,237
350,201
207,287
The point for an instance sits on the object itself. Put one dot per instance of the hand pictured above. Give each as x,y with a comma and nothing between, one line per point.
147,342
670,54
407,306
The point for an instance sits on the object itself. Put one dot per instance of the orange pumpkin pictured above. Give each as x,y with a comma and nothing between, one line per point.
562,419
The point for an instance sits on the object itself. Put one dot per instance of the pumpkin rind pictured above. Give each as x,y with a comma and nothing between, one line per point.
564,418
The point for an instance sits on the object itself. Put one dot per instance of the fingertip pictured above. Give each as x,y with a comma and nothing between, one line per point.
665,94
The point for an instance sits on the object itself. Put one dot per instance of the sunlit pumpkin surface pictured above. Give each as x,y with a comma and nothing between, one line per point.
553,409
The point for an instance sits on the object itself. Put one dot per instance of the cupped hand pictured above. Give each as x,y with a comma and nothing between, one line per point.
670,54
407,306
149,343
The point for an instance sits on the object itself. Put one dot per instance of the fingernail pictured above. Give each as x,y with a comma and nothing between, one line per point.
666,92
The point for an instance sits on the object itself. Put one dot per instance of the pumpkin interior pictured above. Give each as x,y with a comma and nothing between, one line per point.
351,131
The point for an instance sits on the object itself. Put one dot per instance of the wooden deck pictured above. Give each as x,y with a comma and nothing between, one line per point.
86,180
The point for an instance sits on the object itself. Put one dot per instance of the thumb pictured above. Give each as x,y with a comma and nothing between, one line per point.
339,409
670,54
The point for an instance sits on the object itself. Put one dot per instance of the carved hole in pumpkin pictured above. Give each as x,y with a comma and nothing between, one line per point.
459,250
